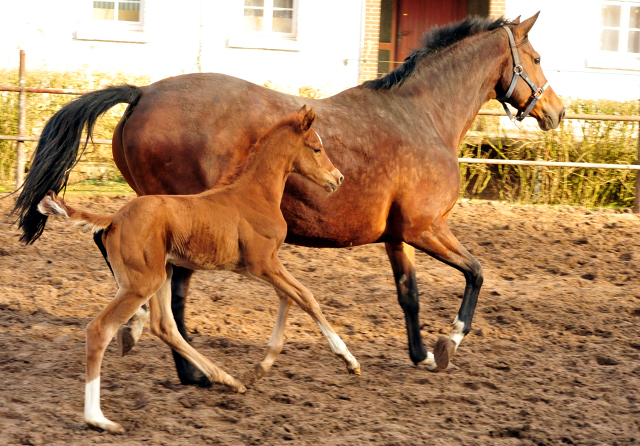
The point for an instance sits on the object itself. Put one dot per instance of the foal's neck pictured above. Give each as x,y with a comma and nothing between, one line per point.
454,85
270,164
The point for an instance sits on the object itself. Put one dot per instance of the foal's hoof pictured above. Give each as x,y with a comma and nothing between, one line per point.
126,340
253,375
443,351
107,426
354,370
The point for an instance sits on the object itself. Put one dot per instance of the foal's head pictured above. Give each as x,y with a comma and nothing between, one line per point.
311,160
549,109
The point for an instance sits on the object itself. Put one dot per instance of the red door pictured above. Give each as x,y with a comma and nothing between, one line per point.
415,17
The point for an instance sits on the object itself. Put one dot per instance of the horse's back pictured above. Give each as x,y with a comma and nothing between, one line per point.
187,132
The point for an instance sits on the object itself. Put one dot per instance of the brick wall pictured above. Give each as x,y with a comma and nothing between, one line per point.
497,8
369,51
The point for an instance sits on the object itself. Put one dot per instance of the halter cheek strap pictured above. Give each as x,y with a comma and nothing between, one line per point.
518,72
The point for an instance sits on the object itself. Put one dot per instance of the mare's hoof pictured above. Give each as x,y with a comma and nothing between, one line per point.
126,340
443,351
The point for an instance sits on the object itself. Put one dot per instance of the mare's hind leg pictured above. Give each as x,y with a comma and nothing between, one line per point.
402,258
187,372
274,347
129,334
164,326
440,243
275,274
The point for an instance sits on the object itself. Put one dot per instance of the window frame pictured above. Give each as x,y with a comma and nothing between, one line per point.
115,23
268,9
623,29
111,30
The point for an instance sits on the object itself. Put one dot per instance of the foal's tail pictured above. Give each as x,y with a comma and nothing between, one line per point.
54,205
57,151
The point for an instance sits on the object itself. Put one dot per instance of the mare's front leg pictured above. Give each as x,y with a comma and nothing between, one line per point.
440,243
273,272
402,258
187,372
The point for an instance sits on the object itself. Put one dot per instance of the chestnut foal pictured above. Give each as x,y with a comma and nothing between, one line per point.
238,227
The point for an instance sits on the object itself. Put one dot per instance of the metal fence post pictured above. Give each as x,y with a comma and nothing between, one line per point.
22,123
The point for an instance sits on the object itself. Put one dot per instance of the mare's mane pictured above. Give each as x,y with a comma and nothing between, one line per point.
436,39
242,165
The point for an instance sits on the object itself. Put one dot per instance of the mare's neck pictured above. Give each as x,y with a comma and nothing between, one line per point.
450,88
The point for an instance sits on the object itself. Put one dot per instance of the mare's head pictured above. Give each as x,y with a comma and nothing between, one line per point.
311,160
548,110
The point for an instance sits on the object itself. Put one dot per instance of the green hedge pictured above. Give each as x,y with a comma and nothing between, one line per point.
607,142
97,162
575,141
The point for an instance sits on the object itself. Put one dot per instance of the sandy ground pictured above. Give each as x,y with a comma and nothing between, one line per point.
553,357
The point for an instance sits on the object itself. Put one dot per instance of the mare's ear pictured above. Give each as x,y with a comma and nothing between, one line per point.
521,30
308,120
516,21
303,110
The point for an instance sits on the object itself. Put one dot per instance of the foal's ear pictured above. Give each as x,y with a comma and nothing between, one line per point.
303,110
521,30
308,120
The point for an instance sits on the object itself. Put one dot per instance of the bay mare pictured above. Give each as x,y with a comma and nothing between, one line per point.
238,227
395,139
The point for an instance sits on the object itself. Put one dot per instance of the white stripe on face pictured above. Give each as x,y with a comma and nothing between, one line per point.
319,138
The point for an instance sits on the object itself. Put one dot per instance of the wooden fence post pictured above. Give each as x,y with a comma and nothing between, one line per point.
22,123
636,201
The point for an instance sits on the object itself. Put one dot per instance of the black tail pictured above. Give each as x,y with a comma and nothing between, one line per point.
57,152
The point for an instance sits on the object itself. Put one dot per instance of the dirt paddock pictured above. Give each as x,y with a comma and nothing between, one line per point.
553,357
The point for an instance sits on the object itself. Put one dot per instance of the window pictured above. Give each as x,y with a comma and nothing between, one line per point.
121,11
620,27
113,21
275,17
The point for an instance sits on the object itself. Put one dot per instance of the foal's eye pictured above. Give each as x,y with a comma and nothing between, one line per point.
536,61
317,150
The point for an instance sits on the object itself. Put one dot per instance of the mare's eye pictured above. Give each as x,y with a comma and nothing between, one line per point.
536,61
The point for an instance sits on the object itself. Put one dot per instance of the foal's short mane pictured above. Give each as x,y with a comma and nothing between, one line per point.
434,40
242,165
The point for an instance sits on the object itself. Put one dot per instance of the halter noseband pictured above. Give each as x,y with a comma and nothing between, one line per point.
518,71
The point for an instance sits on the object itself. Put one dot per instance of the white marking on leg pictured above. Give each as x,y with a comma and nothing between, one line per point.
339,347
429,362
92,413
457,332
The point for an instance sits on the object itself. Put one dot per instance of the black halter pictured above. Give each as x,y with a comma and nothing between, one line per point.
518,71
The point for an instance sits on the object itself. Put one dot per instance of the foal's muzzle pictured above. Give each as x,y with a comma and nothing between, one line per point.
334,182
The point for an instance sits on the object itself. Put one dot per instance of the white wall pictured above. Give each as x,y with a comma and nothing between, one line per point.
187,36
567,36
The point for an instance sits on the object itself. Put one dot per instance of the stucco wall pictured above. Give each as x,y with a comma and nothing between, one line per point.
567,37
188,36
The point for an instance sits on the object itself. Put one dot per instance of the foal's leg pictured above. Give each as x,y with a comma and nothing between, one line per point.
187,372
99,333
441,244
274,347
281,280
128,334
402,257
164,326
